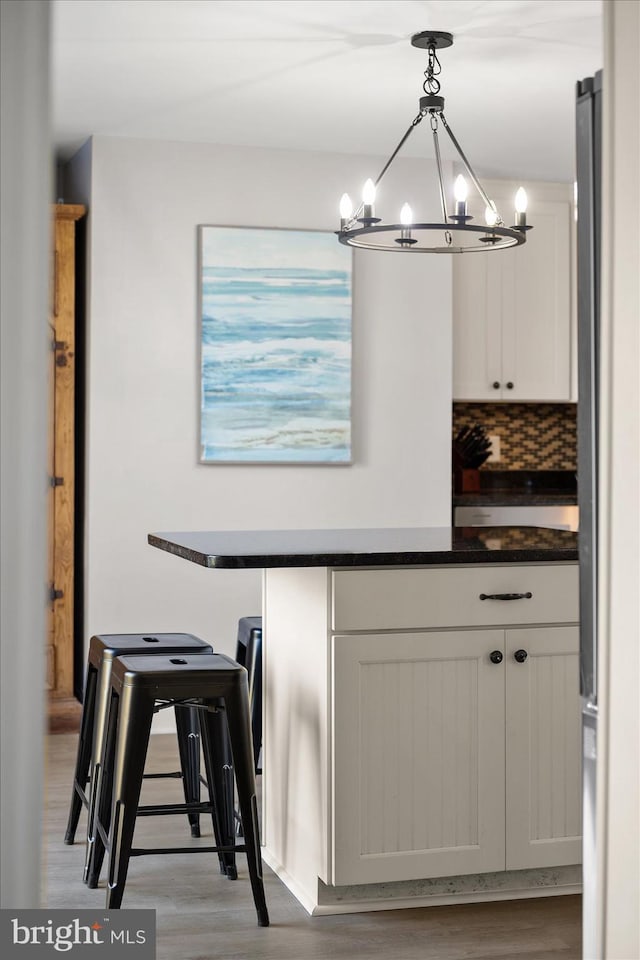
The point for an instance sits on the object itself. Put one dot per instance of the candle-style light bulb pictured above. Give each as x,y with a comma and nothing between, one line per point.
490,216
406,216
368,199
521,208
492,220
461,192
369,192
406,219
346,210
460,188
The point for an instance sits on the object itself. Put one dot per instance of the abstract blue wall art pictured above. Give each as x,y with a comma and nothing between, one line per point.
275,346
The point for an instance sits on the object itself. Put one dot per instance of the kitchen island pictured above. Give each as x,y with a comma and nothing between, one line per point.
421,710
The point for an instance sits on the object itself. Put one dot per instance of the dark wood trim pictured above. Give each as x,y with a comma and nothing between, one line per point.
64,715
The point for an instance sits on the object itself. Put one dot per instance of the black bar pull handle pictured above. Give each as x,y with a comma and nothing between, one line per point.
506,596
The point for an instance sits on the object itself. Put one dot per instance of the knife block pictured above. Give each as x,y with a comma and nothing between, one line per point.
466,480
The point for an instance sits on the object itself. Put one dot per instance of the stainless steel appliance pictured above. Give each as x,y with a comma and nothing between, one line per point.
588,173
558,517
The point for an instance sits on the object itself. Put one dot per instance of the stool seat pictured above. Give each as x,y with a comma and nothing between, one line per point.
103,649
211,684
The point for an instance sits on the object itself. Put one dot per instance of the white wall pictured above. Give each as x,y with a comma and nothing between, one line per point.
145,201
24,355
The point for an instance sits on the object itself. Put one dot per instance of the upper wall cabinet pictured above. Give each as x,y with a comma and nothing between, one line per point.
512,309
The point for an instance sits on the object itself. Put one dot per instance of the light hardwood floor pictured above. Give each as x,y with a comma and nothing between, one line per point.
201,915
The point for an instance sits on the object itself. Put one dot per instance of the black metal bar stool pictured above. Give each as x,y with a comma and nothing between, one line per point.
249,654
214,684
103,649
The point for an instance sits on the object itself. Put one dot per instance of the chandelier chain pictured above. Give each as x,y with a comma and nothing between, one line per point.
431,85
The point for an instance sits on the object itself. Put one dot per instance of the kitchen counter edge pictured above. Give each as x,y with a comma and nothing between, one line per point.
471,545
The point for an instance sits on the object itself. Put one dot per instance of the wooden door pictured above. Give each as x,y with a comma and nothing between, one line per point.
64,709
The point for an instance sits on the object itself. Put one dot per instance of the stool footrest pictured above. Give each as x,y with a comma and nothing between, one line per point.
143,851
169,809
176,775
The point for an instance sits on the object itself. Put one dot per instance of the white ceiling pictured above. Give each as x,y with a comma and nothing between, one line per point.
335,75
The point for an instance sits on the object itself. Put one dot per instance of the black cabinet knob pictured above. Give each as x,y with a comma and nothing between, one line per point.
495,656
509,385
520,656
496,385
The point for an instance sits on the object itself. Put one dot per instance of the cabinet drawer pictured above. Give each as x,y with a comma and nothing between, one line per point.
433,597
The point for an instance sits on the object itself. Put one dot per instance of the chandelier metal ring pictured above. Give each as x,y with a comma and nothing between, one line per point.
479,237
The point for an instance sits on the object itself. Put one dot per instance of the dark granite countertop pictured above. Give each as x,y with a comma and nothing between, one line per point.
400,546
531,488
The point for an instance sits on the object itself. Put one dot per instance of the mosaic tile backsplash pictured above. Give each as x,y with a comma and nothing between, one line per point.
533,436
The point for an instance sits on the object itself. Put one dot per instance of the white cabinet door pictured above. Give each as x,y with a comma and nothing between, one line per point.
543,751
418,755
536,310
477,328
512,315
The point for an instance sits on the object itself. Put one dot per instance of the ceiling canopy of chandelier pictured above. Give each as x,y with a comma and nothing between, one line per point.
456,234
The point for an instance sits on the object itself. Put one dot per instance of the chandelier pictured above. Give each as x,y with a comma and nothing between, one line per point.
456,234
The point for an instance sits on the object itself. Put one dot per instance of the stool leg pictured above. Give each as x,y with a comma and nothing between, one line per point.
237,706
83,758
101,715
254,667
132,739
219,769
101,792
188,731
